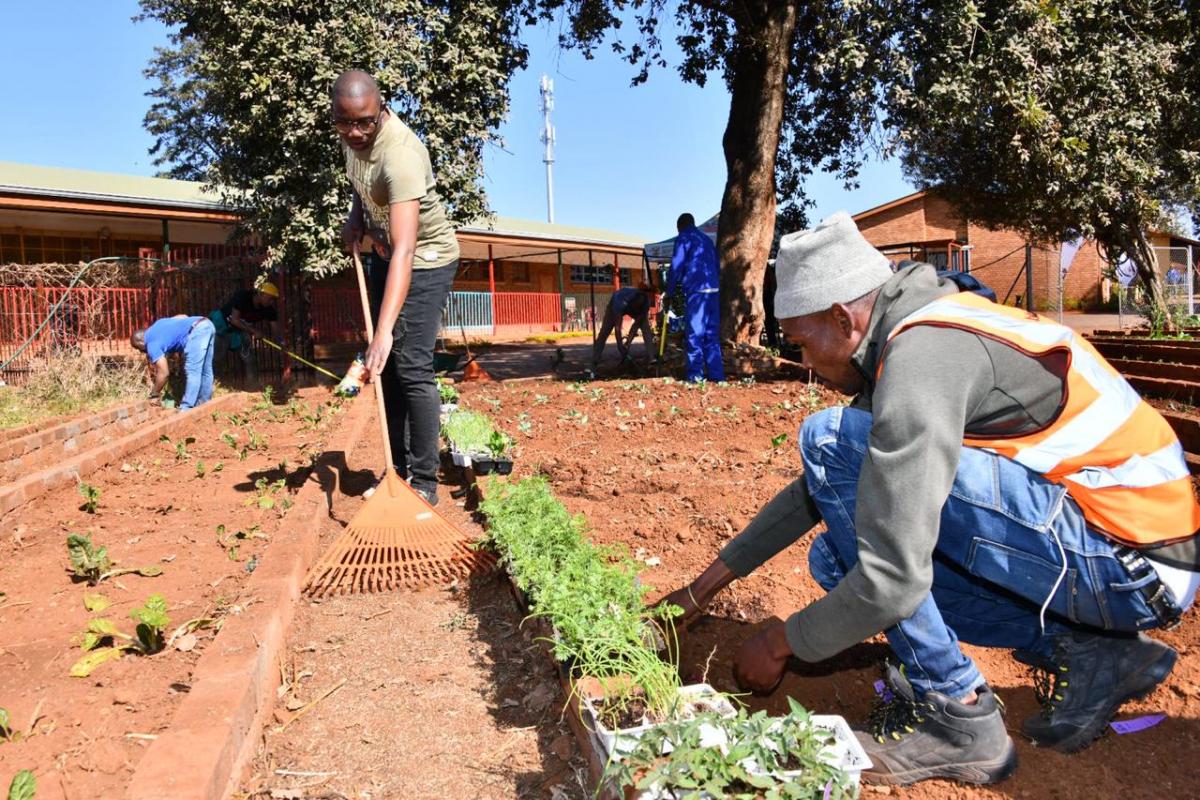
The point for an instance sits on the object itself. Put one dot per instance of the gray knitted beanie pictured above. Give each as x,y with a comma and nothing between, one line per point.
831,263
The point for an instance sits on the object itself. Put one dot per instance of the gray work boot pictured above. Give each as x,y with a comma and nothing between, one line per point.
910,739
1081,687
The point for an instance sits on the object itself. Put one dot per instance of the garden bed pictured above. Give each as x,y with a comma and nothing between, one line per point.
169,507
674,472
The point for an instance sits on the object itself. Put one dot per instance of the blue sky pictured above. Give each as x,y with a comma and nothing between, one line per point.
628,159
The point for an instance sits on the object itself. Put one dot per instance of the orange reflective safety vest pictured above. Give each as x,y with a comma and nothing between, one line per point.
1116,455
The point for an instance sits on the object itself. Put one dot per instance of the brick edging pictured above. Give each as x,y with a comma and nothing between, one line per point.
35,438
18,493
213,733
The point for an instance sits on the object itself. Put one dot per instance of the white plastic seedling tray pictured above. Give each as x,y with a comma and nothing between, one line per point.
622,741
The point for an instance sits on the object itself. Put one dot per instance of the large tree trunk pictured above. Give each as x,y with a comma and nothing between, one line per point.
1131,240
758,86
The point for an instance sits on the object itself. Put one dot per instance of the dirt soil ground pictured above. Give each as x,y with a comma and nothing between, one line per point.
84,736
445,694
674,472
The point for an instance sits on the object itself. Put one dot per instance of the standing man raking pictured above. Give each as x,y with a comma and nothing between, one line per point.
995,481
410,269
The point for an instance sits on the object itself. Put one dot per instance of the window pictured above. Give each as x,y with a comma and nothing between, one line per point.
518,273
476,271
602,273
627,277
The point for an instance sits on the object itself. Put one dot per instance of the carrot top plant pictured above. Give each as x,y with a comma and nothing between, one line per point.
589,594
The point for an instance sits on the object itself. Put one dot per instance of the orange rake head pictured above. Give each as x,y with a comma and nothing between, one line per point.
395,541
474,371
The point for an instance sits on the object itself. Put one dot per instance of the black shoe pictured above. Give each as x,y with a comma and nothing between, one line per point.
428,493
1086,681
910,739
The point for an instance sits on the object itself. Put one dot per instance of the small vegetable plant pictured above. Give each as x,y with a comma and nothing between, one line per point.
6,731
265,492
499,443
23,786
104,641
781,758
87,561
180,447
92,563
91,497
777,441
446,392
469,431
590,595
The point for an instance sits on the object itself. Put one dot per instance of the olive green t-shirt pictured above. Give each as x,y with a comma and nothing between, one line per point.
394,170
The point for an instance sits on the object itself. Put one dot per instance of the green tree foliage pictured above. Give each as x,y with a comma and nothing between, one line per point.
804,81
1057,119
241,101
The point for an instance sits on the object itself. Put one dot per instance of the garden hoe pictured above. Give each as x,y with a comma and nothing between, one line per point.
396,540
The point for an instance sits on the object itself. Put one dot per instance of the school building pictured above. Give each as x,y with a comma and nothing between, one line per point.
516,277
924,227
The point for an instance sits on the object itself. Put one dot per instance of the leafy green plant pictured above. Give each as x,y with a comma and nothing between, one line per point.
265,492
92,563
180,447
87,560
590,595
773,759
151,619
200,469
469,431
446,392
256,441
777,441
266,401
499,443
6,730
23,786
91,497
103,641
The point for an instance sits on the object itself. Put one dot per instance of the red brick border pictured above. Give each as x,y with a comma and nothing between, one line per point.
16,494
70,438
213,733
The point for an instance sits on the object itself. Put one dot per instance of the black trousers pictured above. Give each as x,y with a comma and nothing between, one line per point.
410,393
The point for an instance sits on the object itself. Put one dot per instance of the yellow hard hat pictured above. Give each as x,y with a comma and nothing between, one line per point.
269,288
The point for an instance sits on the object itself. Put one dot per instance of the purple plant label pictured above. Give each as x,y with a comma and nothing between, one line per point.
828,789
883,691
1137,724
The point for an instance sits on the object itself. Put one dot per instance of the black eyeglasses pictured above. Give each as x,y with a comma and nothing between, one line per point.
364,125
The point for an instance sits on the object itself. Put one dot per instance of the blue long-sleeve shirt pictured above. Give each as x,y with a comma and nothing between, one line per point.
694,263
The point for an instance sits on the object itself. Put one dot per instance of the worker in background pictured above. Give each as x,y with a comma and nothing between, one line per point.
626,302
411,266
694,270
995,482
234,322
191,336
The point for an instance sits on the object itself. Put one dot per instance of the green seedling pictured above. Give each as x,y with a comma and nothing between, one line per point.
256,442
87,561
91,497
499,444
23,786
777,441
103,641
92,563
199,469
446,392
763,757
540,399
180,447
230,439
6,731
265,493
469,431
266,401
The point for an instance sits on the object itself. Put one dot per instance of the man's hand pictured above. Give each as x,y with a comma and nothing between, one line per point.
378,352
699,593
761,660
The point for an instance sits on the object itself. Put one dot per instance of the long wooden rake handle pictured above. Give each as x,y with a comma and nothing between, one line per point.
375,379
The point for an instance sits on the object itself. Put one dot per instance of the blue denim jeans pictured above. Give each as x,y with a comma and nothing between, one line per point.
704,337
1004,531
197,365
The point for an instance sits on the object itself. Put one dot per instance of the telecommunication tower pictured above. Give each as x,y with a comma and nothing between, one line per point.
547,137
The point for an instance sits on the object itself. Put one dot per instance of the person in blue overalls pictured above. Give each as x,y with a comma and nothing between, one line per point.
694,269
